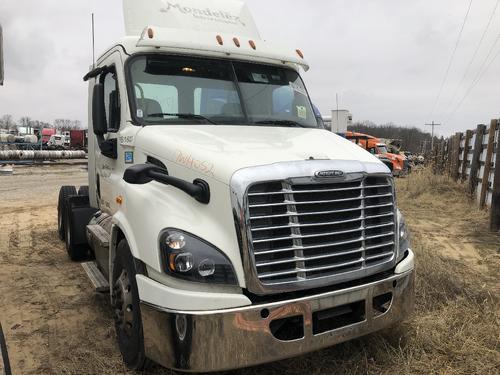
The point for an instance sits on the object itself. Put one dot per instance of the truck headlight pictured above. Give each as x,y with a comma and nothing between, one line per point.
404,234
190,258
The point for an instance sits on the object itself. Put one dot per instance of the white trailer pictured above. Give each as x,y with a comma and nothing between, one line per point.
229,227
339,121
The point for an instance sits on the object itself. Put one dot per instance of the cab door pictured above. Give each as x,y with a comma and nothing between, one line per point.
108,169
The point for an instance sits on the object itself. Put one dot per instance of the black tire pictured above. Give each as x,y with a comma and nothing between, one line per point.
128,320
84,190
75,252
64,193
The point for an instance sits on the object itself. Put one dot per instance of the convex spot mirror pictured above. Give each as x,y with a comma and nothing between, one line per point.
1,57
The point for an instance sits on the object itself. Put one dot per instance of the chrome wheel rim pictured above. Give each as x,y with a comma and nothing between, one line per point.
124,311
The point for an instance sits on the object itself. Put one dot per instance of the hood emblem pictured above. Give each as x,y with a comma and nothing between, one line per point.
329,174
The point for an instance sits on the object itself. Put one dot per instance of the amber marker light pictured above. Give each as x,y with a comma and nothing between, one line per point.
119,200
252,44
237,42
299,52
219,40
151,33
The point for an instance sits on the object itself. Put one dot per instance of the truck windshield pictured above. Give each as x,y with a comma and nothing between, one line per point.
179,90
382,150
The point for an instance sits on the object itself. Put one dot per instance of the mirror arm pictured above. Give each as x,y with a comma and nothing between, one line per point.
144,173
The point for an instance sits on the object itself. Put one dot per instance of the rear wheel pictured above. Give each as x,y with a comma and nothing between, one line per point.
75,251
64,193
128,321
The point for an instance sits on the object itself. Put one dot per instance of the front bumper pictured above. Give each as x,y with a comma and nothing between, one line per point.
235,338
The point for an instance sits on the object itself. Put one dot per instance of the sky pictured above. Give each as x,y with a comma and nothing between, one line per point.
386,59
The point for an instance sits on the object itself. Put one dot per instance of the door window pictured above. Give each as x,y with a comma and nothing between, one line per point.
112,101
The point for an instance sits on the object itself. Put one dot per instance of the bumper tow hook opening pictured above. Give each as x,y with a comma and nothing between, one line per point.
288,329
264,313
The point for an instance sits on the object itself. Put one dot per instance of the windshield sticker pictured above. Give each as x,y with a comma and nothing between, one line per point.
260,78
140,113
298,88
302,111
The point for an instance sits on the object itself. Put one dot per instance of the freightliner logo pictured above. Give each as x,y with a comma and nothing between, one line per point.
329,174
205,13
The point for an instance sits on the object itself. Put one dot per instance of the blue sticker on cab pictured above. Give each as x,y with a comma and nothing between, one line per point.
129,157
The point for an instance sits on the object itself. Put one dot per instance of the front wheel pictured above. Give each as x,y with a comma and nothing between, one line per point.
128,321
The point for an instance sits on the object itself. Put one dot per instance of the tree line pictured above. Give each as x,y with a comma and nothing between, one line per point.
8,122
413,139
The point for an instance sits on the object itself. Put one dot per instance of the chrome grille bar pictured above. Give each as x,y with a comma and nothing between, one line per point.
300,232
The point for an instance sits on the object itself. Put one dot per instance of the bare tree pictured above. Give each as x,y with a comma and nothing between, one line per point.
66,124
7,122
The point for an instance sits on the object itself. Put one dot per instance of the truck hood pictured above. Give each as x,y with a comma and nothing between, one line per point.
219,151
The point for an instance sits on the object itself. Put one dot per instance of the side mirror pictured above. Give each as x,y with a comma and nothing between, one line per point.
99,123
1,57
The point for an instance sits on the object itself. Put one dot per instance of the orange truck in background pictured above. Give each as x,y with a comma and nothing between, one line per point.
376,147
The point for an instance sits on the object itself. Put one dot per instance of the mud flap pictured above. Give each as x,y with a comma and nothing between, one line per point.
80,214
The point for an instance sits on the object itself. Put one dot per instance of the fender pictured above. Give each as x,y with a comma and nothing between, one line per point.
120,224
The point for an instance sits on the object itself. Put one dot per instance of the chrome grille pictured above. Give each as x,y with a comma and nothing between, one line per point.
301,232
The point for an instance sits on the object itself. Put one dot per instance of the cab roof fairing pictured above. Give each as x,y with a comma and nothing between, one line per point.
200,43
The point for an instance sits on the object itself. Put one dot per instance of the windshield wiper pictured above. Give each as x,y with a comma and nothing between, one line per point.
184,116
288,123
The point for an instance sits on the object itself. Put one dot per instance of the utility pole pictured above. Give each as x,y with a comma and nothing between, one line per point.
433,126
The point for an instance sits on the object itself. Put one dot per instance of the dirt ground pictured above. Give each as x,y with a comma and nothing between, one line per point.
56,324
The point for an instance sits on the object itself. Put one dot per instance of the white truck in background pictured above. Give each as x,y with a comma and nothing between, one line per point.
229,228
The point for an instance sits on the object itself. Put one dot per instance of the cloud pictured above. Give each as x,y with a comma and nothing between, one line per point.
385,58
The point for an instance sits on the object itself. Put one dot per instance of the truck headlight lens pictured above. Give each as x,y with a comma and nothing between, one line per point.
190,258
404,234
176,241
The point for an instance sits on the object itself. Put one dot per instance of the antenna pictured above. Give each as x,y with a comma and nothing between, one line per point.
93,42
337,97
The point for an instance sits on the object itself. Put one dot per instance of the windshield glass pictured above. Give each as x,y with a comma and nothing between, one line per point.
180,90
382,150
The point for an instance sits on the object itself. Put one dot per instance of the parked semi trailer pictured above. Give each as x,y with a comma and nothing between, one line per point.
229,228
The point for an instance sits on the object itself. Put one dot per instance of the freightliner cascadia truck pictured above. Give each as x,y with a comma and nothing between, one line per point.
229,228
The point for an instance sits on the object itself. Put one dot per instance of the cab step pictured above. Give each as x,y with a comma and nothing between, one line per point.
100,283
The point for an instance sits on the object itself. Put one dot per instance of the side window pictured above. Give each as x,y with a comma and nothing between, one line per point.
112,101
373,151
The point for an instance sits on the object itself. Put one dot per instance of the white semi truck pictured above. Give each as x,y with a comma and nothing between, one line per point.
229,228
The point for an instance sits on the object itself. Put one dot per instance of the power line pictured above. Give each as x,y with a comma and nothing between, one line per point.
480,74
451,59
474,83
486,29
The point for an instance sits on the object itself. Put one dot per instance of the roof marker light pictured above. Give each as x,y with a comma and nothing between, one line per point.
237,42
219,40
252,44
151,33
299,52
